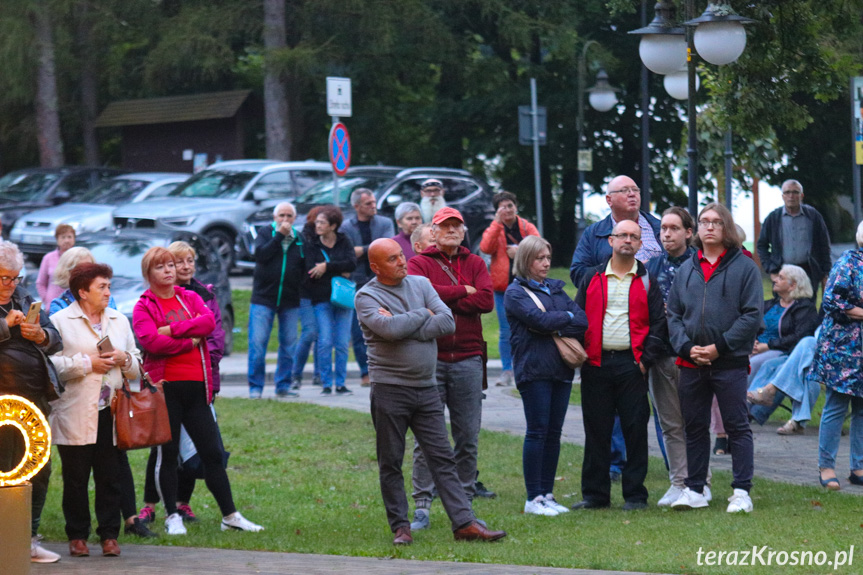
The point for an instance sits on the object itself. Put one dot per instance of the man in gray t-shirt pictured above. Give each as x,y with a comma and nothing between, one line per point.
401,317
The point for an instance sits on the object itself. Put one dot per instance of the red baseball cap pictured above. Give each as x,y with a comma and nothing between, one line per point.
445,214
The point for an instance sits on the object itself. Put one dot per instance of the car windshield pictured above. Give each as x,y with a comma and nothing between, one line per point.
22,186
322,193
223,184
114,192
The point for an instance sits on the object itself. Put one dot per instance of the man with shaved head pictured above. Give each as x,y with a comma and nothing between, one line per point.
625,335
401,317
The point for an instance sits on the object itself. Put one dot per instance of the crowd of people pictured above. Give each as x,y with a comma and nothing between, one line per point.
670,313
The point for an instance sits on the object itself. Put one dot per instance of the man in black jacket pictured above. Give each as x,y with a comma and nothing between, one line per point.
279,268
795,234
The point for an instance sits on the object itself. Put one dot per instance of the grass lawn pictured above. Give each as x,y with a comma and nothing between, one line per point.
308,474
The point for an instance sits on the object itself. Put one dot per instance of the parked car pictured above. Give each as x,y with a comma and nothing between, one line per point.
92,211
464,191
24,191
215,202
371,177
123,251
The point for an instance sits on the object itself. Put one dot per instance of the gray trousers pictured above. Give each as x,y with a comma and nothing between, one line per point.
460,388
395,408
664,376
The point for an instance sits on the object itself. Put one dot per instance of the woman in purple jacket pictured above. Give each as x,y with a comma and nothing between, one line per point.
171,324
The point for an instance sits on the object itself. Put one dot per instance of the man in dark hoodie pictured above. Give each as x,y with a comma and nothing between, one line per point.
625,335
462,281
279,268
714,314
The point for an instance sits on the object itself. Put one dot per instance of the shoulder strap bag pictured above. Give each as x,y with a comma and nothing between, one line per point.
342,290
141,417
571,351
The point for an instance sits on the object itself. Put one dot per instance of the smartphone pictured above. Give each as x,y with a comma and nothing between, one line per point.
33,313
104,346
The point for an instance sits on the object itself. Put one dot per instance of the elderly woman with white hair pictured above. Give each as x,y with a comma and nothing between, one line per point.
838,364
26,372
408,218
67,262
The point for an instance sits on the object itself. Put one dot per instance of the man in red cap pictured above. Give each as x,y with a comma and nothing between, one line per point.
462,281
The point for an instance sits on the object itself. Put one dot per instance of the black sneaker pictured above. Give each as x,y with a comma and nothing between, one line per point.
285,393
343,391
139,529
296,384
480,490
327,391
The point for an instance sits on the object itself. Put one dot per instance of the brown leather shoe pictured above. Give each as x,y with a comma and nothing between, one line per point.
476,532
110,548
403,536
78,548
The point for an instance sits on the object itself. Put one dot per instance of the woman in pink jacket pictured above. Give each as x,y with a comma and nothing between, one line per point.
172,325
500,240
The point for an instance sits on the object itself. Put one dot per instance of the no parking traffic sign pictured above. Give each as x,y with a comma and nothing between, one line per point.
340,148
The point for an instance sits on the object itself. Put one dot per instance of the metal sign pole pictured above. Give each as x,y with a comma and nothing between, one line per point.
335,120
534,114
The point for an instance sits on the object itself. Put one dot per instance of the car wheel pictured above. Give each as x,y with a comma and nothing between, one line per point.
224,245
228,326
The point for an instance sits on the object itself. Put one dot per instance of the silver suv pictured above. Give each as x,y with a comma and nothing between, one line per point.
216,201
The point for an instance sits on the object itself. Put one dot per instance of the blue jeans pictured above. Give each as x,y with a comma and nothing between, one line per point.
618,448
503,341
832,418
260,325
789,375
545,404
359,344
334,332
307,338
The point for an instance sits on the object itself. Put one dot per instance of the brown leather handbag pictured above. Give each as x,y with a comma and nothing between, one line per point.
141,417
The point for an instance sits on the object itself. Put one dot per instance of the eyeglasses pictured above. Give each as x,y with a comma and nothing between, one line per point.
633,237
791,192
6,280
716,224
629,191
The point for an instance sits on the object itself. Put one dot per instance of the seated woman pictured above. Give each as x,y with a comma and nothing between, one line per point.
788,318
838,364
790,378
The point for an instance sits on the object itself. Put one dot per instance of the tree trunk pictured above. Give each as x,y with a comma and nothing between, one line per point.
276,113
89,82
47,114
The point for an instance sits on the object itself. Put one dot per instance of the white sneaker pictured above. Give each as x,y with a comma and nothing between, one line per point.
238,522
690,499
537,506
551,502
708,495
39,554
740,501
174,524
673,494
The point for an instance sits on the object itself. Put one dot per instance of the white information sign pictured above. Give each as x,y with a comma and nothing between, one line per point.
339,97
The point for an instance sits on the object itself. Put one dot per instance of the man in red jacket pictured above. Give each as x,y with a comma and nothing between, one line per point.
464,284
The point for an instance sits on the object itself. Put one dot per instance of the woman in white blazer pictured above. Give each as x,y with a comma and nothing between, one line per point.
81,422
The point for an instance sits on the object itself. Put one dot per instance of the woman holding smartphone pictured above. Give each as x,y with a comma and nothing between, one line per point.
98,352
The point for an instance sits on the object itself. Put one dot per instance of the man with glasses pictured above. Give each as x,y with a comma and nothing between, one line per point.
625,335
26,372
624,199
795,234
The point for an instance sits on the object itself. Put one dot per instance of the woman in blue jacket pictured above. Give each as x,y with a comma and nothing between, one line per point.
542,378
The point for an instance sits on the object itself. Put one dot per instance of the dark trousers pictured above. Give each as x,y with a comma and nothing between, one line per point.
187,406
617,386
394,409
696,390
545,404
103,458
185,481
359,344
11,454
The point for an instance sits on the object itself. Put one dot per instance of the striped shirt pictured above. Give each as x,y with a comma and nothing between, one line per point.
615,322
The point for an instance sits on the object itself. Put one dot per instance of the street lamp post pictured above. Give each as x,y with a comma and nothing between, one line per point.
603,97
720,39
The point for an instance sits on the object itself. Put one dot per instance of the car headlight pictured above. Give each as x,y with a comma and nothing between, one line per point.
180,222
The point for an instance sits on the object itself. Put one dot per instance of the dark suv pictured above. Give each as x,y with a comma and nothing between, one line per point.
467,193
24,191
